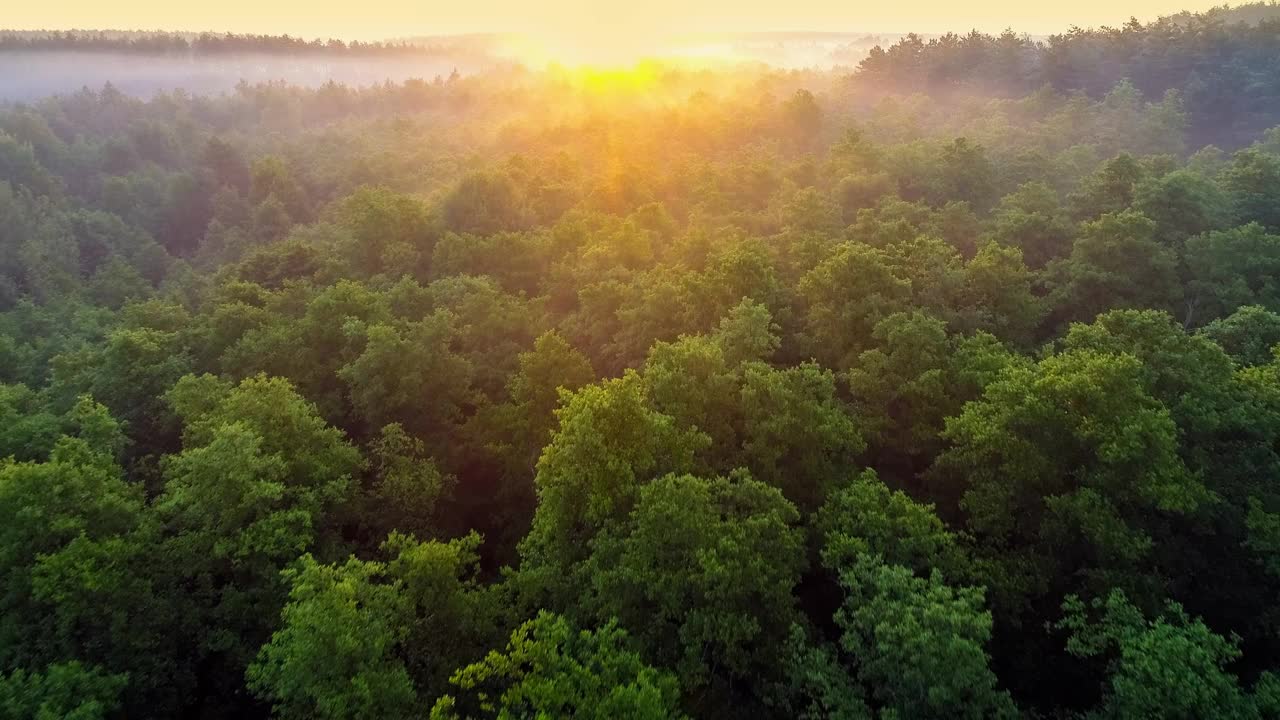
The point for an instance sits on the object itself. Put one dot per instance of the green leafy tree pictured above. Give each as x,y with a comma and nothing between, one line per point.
408,488
251,491
802,118
1170,667
410,375
609,444
816,686
1065,470
1116,263
846,295
367,639
1232,268
1110,190
271,177
129,373
999,296
796,433
1247,335
1033,220
65,691
508,437
864,518
483,204
1182,204
919,644
702,573
1250,182
78,496
390,232
549,669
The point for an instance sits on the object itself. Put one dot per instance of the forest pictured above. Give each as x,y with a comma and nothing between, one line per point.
942,386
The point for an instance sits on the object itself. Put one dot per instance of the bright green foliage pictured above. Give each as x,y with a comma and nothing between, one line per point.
334,656
918,644
787,426
1072,453
317,460
693,381
67,691
1186,373
817,686
866,518
701,574
1170,667
372,639
747,332
247,495
49,508
610,443
79,569
549,669
1225,436
27,429
1247,335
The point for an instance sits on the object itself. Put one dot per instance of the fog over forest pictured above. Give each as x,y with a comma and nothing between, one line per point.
32,75
781,375
28,74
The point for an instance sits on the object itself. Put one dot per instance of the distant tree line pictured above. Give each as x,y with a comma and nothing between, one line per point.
1224,65
207,44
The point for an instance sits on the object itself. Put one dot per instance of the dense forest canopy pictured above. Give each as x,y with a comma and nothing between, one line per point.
943,386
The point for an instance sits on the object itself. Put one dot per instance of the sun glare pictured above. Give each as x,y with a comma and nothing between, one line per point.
611,59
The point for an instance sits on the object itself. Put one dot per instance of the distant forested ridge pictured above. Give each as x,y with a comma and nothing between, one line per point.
647,393
1223,64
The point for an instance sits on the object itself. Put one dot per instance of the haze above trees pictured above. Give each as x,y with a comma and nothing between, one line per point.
945,386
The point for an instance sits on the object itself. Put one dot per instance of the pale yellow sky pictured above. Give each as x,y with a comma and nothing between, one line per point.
576,20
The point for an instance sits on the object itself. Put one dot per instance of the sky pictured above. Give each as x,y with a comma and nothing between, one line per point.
579,22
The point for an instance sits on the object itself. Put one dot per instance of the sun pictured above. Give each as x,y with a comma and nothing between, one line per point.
607,55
